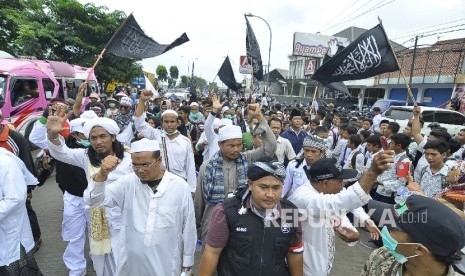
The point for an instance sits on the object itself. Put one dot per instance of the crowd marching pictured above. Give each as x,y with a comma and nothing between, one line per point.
254,186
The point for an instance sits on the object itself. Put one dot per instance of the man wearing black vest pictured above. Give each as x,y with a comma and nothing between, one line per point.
255,232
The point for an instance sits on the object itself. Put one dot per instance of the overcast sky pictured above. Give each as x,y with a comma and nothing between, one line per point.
216,28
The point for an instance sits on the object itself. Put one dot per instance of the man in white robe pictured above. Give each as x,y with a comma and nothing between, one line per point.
15,230
158,235
176,149
101,133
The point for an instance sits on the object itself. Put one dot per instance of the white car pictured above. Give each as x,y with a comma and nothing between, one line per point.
453,121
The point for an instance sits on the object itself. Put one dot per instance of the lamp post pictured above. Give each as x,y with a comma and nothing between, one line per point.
188,63
269,49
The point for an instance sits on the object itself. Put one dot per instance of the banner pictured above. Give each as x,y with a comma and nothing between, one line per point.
244,67
253,52
369,55
130,41
316,45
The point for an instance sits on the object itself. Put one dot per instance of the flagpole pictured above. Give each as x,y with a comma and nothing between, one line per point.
100,57
251,57
313,100
409,91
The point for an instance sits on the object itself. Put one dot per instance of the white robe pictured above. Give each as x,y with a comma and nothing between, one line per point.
103,265
179,150
158,235
14,222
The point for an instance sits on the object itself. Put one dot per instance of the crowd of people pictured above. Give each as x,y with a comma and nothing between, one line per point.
255,187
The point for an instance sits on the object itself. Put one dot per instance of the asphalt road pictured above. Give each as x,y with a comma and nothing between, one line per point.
47,201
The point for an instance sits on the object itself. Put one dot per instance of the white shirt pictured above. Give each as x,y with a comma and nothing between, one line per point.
38,135
79,158
389,179
126,136
295,177
422,162
430,183
179,150
284,149
376,122
206,149
321,211
212,137
359,162
159,234
14,221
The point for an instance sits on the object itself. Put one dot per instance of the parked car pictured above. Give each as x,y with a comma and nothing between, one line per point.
452,120
386,104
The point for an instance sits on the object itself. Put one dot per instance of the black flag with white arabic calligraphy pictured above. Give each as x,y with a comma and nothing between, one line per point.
369,55
131,42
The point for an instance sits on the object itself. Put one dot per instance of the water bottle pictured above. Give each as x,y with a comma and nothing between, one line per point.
198,246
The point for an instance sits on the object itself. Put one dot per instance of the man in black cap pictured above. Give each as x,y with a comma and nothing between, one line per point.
324,205
295,134
420,235
255,232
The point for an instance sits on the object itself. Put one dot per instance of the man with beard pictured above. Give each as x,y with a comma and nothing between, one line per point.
105,223
176,149
124,118
158,213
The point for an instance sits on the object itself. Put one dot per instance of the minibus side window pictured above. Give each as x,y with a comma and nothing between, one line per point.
23,91
49,87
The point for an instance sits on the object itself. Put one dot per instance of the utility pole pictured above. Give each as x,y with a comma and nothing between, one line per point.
412,67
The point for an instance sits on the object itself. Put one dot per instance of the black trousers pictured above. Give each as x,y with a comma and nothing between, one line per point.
33,221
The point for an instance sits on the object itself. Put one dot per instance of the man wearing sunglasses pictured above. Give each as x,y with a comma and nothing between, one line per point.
158,213
420,236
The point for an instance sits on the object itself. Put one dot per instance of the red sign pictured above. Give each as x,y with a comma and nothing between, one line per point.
310,65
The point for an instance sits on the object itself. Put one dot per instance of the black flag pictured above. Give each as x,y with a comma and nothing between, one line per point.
226,75
339,88
369,55
130,41
253,52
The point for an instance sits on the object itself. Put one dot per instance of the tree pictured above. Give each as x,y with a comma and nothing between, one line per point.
174,72
162,73
65,30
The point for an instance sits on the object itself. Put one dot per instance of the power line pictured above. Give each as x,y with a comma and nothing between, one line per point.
426,32
337,23
423,28
370,10
343,10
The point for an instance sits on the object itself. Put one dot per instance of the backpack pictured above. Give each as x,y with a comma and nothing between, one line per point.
354,159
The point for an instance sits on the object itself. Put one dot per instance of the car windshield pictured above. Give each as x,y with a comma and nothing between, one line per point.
2,88
399,114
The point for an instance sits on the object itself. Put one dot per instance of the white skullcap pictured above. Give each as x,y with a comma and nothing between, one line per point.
224,109
194,104
169,111
145,145
229,132
216,123
77,125
126,101
88,114
107,123
225,122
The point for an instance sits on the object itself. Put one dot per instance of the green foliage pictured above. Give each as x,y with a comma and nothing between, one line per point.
162,73
65,30
197,82
174,72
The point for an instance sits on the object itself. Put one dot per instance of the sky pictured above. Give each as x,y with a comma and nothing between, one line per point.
217,28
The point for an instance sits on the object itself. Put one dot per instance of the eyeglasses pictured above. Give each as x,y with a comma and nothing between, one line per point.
143,166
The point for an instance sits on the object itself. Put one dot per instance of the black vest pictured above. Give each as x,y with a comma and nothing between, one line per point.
252,248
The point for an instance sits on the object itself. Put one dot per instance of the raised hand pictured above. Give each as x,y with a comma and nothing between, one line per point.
82,87
109,164
216,104
55,121
416,110
145,95
382,162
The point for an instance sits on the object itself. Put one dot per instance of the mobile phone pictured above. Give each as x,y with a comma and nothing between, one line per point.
402,169
384,143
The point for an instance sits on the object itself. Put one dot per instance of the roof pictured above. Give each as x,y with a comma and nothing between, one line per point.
277,74
443,58
352,33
